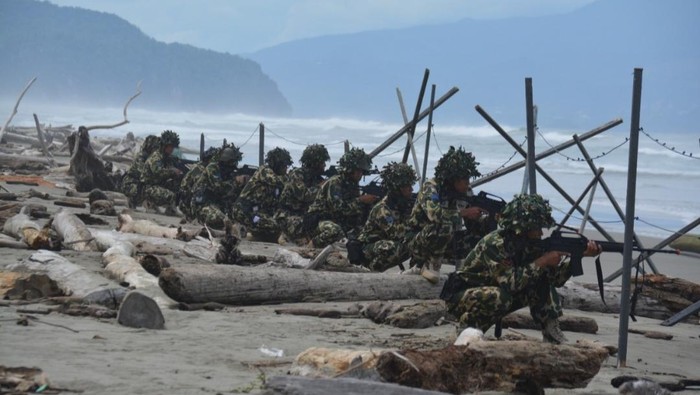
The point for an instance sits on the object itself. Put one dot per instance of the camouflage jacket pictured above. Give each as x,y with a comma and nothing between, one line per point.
133,175
498,262
337,201
188,181
431,208
261,193
160,170
213,187
298,192
386,222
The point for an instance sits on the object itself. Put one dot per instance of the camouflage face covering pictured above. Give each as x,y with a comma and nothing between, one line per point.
355,159
150,145
525,213
277,158
314,156
398,175
168,137
455,164
231,155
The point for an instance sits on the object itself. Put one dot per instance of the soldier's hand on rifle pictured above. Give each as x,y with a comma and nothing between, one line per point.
550,259
472,213
592,249
368,199
242,179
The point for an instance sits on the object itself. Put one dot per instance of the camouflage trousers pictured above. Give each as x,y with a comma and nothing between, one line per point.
131,189
291,225
384,254
263,227
327,233
159,196
482,307
433,241
210,215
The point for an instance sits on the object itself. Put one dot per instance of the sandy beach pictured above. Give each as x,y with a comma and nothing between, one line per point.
219,352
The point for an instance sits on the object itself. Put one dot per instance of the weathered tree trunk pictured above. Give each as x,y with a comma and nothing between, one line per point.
116,196
14,162
73,280
150,228
9,242
252,286
119,264
674,293
566,322
87,168
106,238
23,228
291,385
75,234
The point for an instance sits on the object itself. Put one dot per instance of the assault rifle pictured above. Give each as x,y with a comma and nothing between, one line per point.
493,206
246,170
333,170
576,244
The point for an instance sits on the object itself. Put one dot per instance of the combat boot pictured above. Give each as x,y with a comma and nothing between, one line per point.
170,211
431,271
551,332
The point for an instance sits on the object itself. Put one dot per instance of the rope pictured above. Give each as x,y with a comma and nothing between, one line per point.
298,143
579,159
437,145
506,162
620,221
415,140
250,137
672,149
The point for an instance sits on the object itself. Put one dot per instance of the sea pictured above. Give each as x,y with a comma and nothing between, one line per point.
667,187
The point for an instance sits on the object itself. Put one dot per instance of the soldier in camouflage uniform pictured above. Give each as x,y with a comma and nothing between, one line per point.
217,188
161,176
436,216
131,182
337,209
299,192
507,271
256,206
384,232
186,192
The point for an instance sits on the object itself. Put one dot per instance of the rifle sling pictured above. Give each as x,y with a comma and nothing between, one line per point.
599,275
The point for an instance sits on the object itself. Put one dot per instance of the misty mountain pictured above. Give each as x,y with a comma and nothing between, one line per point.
581,64
95,58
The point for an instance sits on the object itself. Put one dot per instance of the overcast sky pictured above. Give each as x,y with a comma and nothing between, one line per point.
242,26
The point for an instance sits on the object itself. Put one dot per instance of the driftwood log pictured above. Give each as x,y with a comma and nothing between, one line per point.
146,227
35,236
119,263
252,286
477,366
87,168
14,109
566,322
74,233
72,279
292,385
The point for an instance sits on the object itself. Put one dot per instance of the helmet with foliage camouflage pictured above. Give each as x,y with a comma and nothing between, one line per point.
355,159
455,164
168,137
209,154
150,145
398,175
525,213
231,154
314,156
277,158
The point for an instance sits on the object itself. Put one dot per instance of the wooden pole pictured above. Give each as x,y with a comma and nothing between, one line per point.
346,146
416,113
42,142
427,137
629,218
530,115
405,121
261,145
405,128
201,146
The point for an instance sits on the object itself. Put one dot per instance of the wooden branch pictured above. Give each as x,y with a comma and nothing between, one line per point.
42,142
14,110
126,120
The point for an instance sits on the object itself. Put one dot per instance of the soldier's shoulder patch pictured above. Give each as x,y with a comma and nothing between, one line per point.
435,197
389,219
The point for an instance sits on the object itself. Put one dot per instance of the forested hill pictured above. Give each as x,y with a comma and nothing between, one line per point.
95,58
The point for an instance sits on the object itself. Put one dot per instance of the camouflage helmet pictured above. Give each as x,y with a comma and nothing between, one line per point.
230,153
355,159
314,156
150,145
168,137
455,164
278,157
525,213
398,175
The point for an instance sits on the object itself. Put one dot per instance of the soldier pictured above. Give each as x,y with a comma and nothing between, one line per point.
337,209
299,192
507,270
382,237
131,182
188,182
161,176
258,202
436,215
216,188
